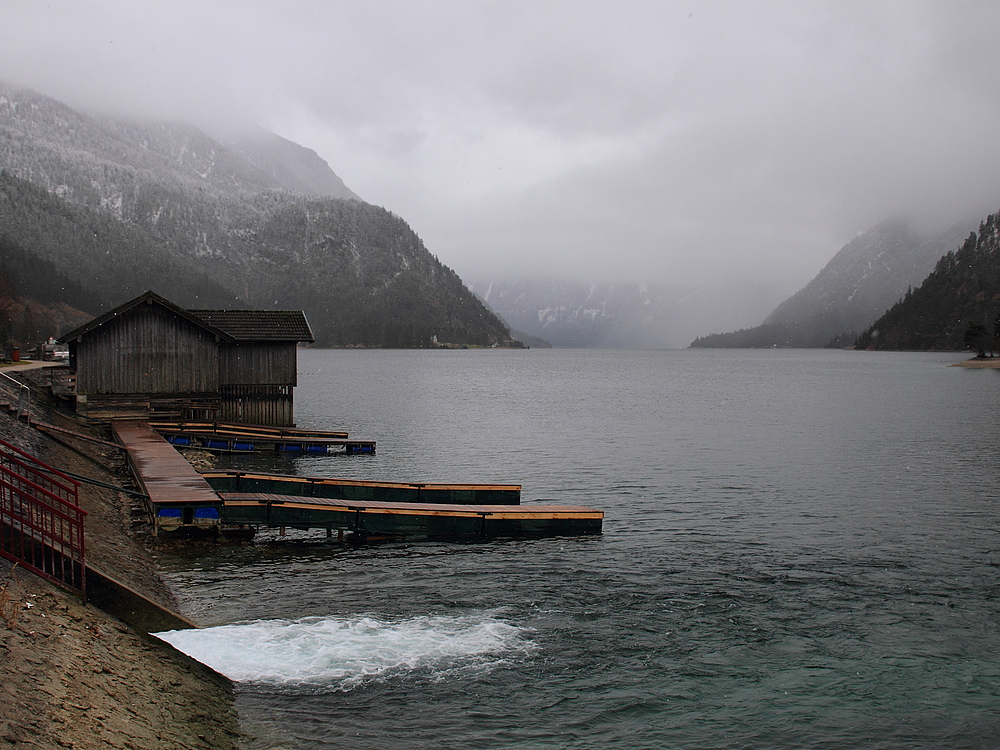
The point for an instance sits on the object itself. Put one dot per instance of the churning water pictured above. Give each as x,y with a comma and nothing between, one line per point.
801,549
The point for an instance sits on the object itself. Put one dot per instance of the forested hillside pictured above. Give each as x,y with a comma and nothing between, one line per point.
121,207
962,290
36,299
363,276
860,283
763,336
109,260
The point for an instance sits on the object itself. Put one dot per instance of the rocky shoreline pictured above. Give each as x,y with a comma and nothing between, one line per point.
72,675
981,363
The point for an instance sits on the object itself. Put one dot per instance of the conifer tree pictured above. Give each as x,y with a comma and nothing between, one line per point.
975,337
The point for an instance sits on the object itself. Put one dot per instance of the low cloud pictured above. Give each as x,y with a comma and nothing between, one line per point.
691,143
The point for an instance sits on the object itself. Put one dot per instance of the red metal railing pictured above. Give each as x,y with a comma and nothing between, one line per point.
41,523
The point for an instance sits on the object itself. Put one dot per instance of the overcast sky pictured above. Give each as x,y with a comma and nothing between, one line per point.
676,142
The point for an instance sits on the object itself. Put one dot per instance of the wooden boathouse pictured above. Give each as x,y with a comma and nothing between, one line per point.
151,359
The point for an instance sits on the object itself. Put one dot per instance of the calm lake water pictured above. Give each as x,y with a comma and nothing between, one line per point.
800,549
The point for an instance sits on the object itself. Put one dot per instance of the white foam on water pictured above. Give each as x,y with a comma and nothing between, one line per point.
341,653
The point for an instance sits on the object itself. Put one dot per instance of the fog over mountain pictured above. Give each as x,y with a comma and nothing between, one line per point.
867,277
956,306
619,315
116,207
725,148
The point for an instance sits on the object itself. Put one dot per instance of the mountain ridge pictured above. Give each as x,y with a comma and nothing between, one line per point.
867,275
576,314
41,133
231,218
957,305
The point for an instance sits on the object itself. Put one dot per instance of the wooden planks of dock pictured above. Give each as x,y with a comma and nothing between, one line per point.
180,497
355,489
169,480
245,438
413,521
250,430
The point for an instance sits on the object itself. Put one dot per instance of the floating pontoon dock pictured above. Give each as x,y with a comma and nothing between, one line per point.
242,438
410,520
178,495
181,498
350,489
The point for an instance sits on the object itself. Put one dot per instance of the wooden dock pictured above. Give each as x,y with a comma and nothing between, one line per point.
229,437
178,494
414,521
182,499
353,489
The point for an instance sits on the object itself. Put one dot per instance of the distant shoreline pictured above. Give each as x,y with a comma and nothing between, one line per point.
989,363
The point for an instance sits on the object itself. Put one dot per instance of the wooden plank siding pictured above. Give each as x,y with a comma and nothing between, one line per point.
256,381
149,358
147,350
258,363
257,404
103,408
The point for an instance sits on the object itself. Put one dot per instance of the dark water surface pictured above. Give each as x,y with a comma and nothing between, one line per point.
801,549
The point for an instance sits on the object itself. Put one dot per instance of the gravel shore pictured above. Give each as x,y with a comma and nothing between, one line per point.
987,363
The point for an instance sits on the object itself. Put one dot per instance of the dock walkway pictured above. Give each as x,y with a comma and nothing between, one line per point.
411,520
242,438
355,489
167,477
180,497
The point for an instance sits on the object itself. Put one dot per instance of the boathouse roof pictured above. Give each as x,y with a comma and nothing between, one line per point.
259,325
229,326
147,298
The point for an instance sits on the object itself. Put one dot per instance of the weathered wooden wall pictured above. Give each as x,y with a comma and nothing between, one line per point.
258,363
149,350
107,408
149,360
257,404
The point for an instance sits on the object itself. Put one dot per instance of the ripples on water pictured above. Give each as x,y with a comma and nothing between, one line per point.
800,550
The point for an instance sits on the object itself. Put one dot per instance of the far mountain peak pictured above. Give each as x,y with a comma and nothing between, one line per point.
866,277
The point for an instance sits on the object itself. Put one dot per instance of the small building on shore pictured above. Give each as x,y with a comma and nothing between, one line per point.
151,359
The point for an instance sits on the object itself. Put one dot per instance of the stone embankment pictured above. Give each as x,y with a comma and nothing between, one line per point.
72,675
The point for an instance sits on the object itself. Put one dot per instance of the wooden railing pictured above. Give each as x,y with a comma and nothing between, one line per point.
16,396
62,380
41,522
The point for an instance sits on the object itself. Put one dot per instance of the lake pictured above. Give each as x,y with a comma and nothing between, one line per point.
800,549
